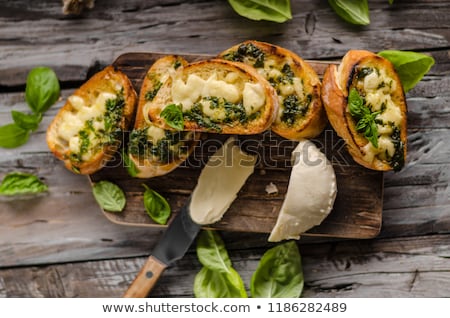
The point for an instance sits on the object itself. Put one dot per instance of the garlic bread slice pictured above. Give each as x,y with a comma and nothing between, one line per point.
366,105
215,96
301,114
153,150
88,129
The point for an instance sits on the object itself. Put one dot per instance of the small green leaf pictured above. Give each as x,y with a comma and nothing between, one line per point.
18,183
156,206
209,283
279,273
129,165
410,66
391,1
173,116
27,121
211,251
12,136
355,103
270,10
109,196
352,11
42,89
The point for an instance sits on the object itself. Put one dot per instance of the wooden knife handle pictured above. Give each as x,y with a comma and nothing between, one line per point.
146,278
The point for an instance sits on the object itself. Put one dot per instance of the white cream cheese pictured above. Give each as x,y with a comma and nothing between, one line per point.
310,196
219,182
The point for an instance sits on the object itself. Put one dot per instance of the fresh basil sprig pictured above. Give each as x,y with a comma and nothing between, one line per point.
41,92
410,66
364,117
352,11
19,183
217,278
158,209
270,10
173,115
109,196
279,273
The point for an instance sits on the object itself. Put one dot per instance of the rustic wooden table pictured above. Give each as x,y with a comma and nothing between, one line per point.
61,245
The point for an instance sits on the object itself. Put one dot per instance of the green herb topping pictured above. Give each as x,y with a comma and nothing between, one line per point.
364,117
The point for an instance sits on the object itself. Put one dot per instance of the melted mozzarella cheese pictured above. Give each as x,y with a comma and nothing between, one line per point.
213,113
195,88
73,122
253,97
392,113
155,133
310,196
219,88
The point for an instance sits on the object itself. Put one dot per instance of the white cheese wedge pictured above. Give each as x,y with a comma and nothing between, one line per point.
219,182
310,196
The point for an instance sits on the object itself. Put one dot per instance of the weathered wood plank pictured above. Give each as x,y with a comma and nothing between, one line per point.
401,267
28,35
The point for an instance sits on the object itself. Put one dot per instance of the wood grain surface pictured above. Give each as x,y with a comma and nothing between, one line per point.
61,245
357,212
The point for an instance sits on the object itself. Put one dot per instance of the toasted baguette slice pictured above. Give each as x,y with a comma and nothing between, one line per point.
301,114
381,94
153,150
88,129
216,96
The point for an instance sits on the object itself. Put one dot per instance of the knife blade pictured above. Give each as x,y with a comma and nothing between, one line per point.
183,230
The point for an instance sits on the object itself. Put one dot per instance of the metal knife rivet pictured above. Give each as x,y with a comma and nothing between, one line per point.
149,274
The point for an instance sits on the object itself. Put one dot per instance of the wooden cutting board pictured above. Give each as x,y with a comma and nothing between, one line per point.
357,211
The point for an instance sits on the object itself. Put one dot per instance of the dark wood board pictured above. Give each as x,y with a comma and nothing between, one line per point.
357,212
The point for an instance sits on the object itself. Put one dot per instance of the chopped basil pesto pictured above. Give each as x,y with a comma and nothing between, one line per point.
92,139
232,113
165,150
248,51
398,159
294,108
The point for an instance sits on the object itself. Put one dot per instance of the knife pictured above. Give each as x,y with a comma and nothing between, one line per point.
221,179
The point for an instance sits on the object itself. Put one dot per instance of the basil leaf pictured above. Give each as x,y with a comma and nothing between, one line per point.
212,253
12,136
17,183
355,103
173,116
391,1
109,196
157,207
212,284
42,89
410,66
352,11
279,273
270,10
129,165
27,121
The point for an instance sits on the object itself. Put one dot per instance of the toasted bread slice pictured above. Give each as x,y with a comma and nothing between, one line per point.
216,96
88,129
375,129
301,114
153,150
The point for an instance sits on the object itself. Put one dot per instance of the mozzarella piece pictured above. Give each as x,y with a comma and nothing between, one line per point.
219,88
219,182
310,196
253,97
213,113
155,133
